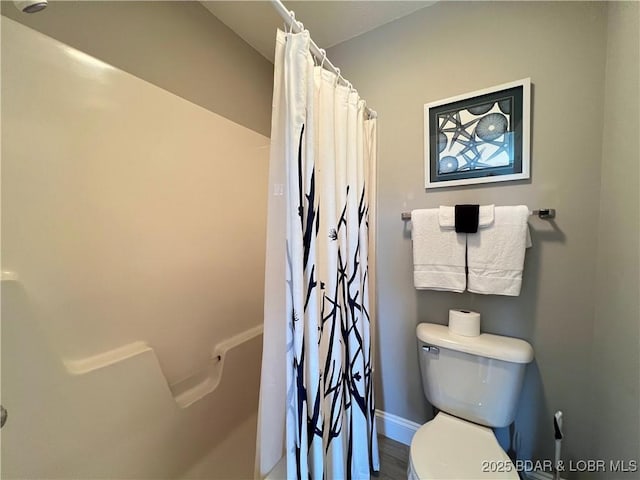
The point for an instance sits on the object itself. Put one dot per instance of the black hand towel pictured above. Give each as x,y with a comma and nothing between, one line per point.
467,218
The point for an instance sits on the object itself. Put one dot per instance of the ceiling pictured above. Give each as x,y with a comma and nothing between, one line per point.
330,22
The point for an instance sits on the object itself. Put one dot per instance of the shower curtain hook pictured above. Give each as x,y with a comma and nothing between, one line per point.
292,16
367,112
338,76
324,56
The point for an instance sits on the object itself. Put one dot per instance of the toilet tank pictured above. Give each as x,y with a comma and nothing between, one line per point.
475,378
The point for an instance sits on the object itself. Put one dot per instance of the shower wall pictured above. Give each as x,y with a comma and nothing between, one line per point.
177,45
133,222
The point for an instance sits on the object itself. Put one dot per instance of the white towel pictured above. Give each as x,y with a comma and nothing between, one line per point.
447,216
495,255
438,253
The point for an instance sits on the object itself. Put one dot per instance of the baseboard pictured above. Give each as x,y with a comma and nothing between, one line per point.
395,427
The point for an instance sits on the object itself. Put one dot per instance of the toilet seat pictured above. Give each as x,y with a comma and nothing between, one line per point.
451,448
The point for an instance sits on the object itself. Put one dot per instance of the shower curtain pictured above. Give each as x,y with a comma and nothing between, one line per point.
316,398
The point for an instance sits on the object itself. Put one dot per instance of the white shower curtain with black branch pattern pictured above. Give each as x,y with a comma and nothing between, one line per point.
317,361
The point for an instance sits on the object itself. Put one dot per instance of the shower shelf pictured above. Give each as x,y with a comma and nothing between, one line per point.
194,387
105,359
185,392
8,276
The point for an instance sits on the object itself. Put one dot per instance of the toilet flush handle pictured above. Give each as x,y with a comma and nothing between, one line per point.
431,349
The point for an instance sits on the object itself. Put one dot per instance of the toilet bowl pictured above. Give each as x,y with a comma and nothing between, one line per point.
451,448
475,382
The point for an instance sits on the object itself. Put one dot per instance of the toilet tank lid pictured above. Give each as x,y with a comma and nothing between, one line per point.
486,345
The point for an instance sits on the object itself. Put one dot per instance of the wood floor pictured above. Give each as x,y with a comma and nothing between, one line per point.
394,459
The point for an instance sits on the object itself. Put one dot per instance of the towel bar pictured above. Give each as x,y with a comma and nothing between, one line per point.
544,213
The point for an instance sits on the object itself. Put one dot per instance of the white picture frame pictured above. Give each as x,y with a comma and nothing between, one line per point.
479,137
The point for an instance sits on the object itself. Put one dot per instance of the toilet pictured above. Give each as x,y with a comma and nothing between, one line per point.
475,383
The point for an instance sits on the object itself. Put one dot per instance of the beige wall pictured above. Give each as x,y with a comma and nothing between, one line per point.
457,47
616,358
179,46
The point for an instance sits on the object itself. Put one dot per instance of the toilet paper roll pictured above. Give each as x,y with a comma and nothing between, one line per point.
464,322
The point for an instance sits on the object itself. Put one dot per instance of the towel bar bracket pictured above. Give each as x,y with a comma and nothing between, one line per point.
545,213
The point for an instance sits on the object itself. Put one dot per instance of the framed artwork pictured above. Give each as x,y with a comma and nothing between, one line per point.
478,137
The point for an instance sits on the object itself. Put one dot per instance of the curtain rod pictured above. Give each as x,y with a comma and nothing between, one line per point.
289,16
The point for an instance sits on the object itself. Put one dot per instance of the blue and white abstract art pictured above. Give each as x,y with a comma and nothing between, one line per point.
478,137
